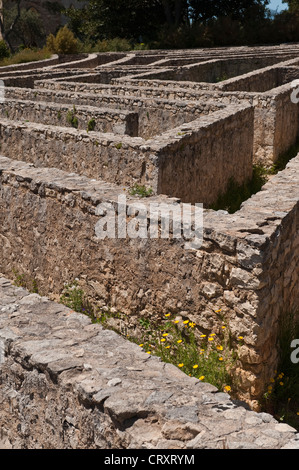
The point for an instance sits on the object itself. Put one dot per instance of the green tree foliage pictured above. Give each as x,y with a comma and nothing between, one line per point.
147,19
63,43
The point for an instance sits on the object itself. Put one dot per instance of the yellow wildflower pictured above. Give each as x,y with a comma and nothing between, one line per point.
195,366
179,341
181,364
185,322
220,348
227,388
201,378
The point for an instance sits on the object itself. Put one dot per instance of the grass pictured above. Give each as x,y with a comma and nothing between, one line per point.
72,118
236,194
208,357
74,298
26,55
284,159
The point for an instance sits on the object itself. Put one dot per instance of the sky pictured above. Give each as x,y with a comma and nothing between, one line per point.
277,3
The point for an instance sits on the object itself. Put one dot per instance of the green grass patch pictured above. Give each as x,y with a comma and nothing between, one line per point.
281,399
236,194
72,118
140,190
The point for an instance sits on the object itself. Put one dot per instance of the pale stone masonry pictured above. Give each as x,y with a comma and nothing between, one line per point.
66,383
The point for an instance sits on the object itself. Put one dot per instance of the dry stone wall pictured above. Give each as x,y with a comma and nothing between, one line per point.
185,140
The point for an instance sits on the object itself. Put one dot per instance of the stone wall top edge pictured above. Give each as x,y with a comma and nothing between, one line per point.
254,223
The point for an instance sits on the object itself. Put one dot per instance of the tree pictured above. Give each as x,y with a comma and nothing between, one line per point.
5,27
29,28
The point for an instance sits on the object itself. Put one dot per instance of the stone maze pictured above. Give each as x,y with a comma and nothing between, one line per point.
77,132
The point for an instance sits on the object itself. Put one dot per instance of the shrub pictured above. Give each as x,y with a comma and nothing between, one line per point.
63,43
4,50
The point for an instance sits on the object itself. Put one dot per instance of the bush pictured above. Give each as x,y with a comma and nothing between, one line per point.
63,43
4,50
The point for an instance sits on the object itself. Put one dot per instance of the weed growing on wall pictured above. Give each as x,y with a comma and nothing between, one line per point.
74,298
